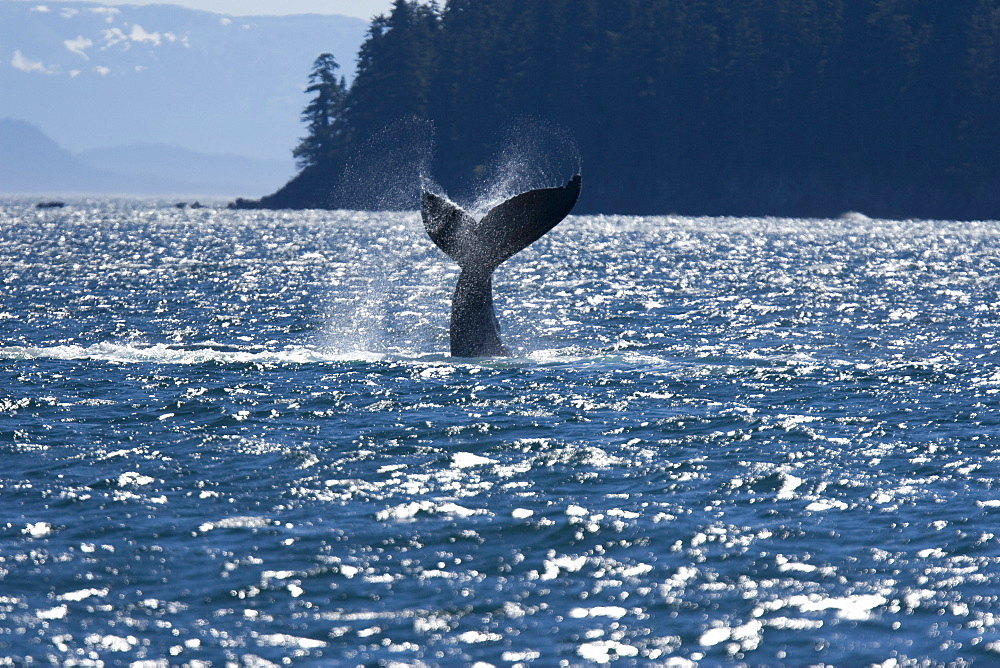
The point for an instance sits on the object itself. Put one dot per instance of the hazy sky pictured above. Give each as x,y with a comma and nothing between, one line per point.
364,9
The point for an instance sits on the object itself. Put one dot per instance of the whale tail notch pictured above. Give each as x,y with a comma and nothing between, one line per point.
480,246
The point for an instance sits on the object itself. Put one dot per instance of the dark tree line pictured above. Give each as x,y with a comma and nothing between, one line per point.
813,107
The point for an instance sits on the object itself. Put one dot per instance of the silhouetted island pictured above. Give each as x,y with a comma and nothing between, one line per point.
792,107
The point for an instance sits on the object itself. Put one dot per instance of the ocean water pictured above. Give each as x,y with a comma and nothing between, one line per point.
236,438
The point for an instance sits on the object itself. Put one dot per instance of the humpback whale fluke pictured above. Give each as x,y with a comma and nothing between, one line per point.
480,246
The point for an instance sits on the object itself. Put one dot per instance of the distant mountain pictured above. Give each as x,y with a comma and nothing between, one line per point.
32,163
95,76
217,174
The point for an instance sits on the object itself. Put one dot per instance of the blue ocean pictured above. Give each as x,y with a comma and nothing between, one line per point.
237,438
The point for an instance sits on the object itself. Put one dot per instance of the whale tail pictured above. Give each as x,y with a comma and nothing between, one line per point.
480,246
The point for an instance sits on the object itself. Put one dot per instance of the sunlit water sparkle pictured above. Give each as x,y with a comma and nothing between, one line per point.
237,436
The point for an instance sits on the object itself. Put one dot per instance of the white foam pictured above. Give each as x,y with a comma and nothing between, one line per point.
38,529
58,612
467,459
625,514
289,641
239,522
856,607
931,552
168,354
112,643
826,504
789,483
714,636
407,511
747,635
525,655
565,563
797,567
134,478
636,571
82,594
478,636
604,651
430,624
612,611
794,623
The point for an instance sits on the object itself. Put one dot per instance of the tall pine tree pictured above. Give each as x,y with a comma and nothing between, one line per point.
326,143
394,68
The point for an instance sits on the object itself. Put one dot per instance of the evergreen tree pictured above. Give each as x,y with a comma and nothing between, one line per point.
394,68
981,126
326,143
694,106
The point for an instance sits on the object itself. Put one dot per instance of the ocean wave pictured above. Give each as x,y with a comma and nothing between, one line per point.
226,354
173,354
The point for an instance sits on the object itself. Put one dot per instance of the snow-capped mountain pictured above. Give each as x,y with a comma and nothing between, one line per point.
94,77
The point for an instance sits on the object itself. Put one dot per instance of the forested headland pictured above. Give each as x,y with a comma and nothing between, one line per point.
771,107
